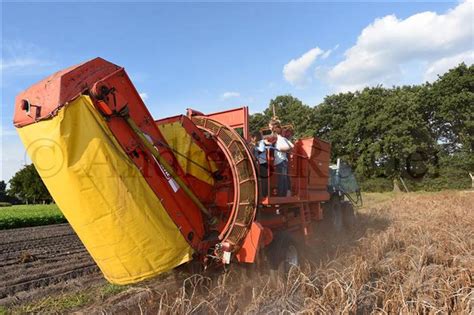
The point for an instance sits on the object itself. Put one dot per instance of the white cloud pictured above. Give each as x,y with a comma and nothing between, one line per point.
389,43
20,58
444,64
143,95
327,53
230,94
295,71
11,64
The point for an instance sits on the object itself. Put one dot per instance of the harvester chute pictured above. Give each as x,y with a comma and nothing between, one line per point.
102,194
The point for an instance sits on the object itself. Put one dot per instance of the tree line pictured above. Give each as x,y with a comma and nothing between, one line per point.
423,134
26,186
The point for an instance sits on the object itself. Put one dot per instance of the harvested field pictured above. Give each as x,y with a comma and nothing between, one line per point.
41,261
408,253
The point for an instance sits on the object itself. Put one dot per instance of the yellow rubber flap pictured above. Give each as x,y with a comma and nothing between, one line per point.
103,195
182,142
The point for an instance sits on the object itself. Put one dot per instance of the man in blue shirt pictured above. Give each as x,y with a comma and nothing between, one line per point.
260,152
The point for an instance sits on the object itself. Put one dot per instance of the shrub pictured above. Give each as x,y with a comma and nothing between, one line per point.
379,184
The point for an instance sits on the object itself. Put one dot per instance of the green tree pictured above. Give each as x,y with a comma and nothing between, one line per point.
3,191
403,131
451,99
258,121
331,119
290,110
28,186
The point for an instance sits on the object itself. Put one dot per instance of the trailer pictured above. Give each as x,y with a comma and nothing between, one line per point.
146,195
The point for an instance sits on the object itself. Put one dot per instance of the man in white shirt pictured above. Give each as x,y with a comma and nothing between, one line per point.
282,147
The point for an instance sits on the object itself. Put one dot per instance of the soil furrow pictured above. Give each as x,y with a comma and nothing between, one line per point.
42,259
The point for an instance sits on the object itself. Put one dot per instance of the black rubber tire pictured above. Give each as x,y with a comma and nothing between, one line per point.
283,252
349,217
335,216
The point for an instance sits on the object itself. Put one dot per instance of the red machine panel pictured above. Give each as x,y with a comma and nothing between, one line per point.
50,94
236,118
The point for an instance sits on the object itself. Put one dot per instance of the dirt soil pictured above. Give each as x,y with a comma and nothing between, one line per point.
42,261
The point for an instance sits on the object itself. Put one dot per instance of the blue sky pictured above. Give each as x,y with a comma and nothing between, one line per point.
214,56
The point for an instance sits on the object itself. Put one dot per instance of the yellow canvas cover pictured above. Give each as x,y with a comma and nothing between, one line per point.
181,141
103,195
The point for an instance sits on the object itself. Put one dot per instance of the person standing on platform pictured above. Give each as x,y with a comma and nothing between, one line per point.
282,147
260,153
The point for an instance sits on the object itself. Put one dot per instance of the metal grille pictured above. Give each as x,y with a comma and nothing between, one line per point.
243,169
212,126
238,235
226,136
246,192
236,152
198,121
244,214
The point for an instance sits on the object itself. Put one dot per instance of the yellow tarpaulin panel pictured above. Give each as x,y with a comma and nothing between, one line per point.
181,141
103,195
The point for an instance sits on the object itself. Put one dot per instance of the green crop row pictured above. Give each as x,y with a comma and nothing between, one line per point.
29,215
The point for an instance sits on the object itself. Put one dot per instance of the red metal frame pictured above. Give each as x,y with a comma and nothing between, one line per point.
234,118
55,91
